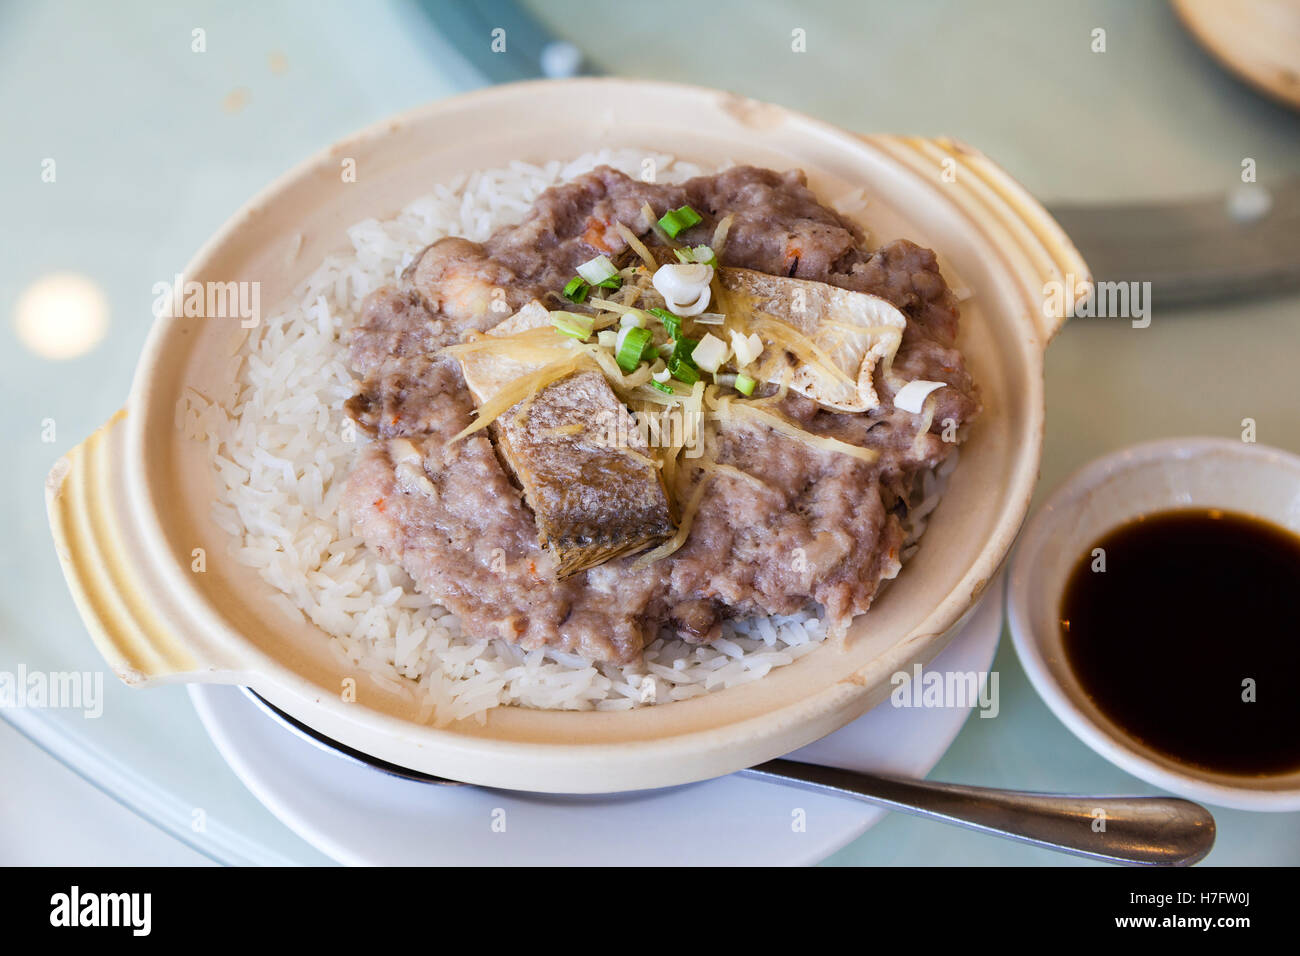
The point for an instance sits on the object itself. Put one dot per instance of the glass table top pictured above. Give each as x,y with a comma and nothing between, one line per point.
152,144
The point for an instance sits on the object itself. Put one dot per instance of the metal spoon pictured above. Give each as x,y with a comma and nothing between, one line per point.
1150,831
1147,831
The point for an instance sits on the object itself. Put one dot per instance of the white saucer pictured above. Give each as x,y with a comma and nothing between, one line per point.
362,816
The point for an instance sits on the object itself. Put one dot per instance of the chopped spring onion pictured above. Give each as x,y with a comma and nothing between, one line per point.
681,364
684,286
911,397
613,282
607,338
682,283
661,376
632,319
671,322
675,220
747,347
684,373
701,254
720,234
710,353
745,384
576,289
574,325
663,387
631,345
597,270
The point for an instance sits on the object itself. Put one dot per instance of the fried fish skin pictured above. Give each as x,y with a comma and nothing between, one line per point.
594,499
585,469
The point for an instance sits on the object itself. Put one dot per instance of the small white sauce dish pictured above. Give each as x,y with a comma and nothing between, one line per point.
1142,479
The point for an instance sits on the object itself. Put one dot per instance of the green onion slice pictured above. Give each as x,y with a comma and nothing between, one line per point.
576,290
597,270
671,322
675,220
663,387
680,364
745,384
683,373
702,254
632,342
683,349
574,325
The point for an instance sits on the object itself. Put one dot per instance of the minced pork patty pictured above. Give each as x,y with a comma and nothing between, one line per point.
453,517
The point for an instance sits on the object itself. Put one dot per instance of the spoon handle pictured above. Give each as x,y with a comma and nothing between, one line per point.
1149,831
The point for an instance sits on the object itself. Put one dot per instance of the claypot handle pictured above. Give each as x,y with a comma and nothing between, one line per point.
1038,251
128,613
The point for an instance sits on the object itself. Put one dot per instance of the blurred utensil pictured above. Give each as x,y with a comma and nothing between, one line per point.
1145,831
494,41
1240,245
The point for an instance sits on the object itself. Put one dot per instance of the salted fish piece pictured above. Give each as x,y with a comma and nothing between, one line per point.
585,469
855,329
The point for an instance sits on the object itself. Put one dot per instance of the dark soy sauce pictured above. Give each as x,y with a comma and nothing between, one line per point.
1192,604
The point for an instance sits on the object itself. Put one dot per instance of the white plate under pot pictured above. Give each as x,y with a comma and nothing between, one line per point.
359,815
